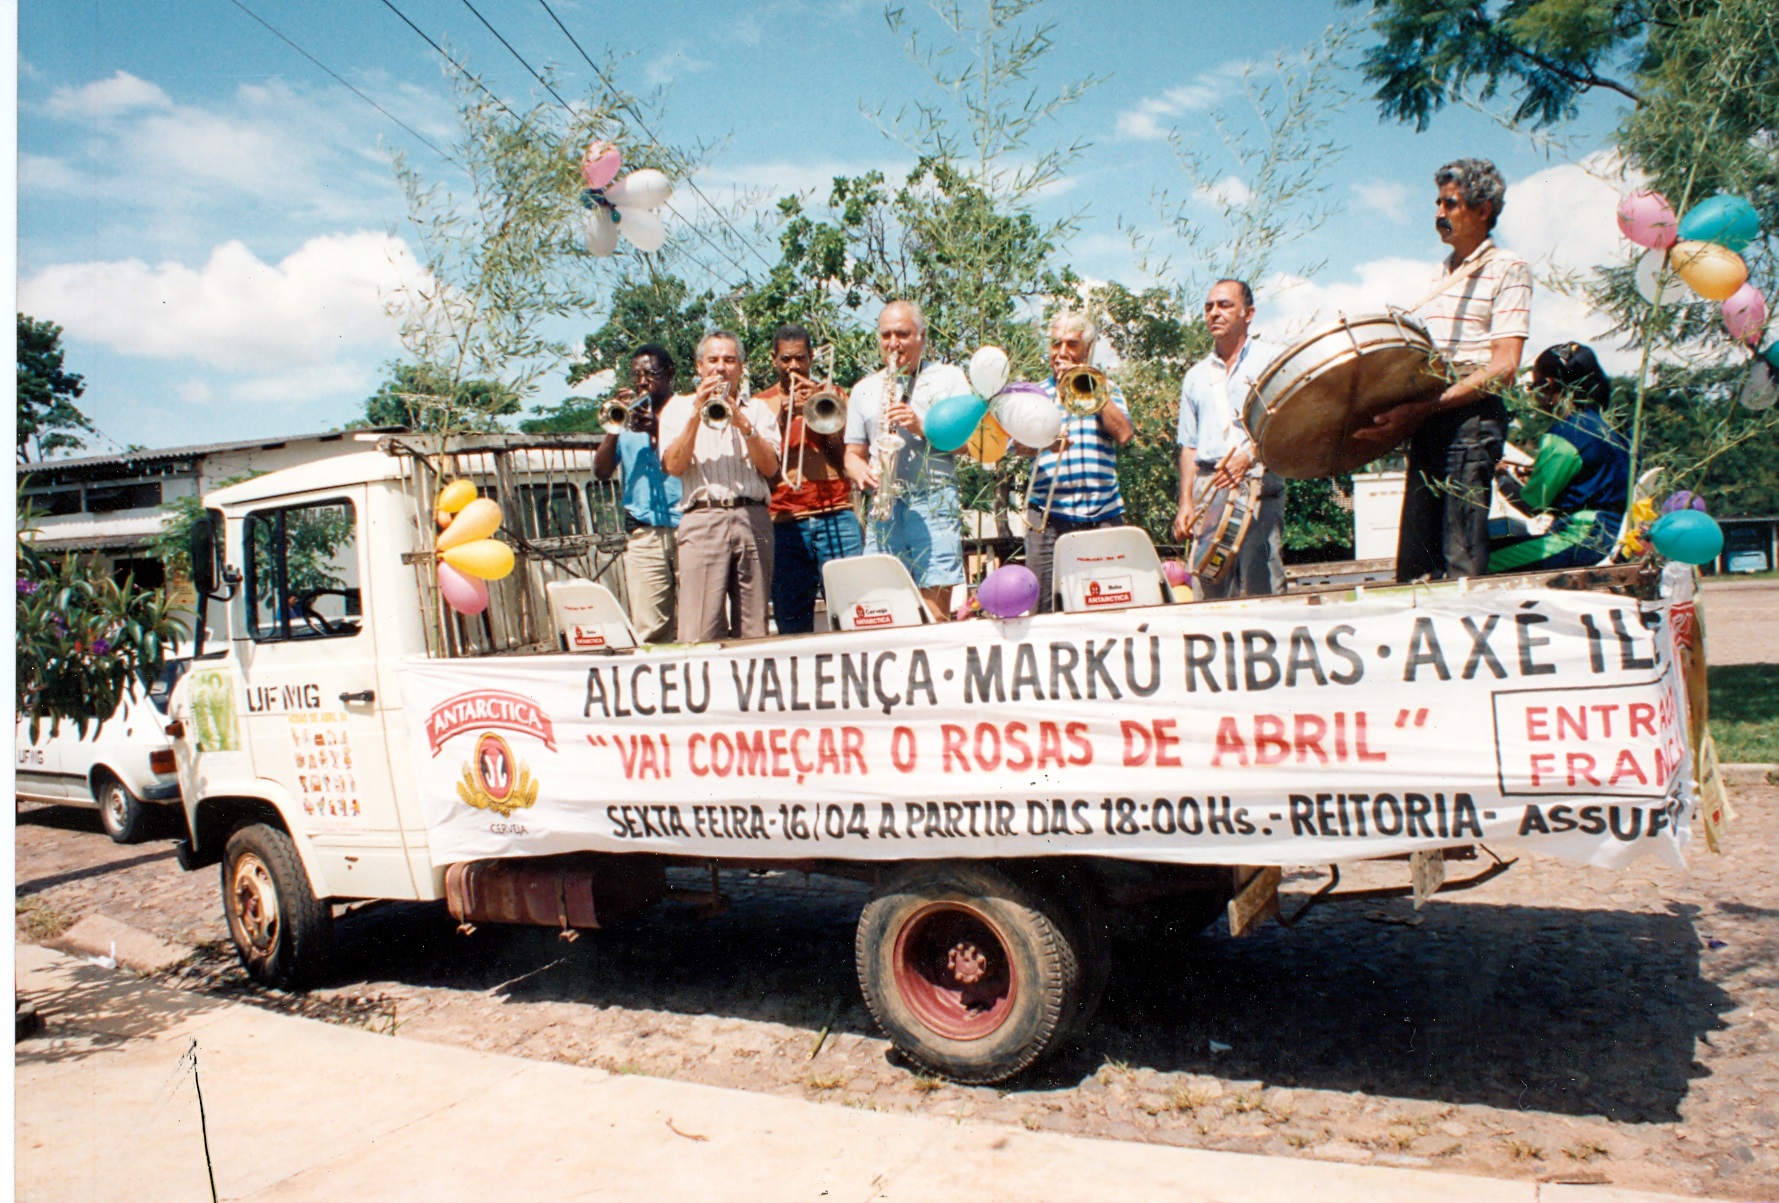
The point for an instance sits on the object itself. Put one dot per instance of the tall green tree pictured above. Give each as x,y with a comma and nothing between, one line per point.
424,397
48,420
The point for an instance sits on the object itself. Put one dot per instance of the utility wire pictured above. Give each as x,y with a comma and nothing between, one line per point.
342,82
715,246
621,99
461,69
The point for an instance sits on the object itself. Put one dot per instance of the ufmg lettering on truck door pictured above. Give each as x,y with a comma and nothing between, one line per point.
283,699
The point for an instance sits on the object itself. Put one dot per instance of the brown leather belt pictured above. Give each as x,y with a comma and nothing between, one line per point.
727,503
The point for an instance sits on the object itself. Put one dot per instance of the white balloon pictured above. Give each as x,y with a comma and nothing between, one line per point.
1673,288
988,371
642,227
645,189
1761,388
600,232
1029,419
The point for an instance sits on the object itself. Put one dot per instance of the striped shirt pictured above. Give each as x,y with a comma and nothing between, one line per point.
1087,487
721,470
1493,302
1212,397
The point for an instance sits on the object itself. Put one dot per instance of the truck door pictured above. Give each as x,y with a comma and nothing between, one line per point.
309,700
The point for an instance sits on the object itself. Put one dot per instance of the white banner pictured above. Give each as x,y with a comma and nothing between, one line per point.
1279,734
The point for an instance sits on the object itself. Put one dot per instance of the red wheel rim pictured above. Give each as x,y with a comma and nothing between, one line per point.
953,971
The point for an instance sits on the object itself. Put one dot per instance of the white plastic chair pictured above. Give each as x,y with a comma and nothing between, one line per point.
1107,569
867,592
587,617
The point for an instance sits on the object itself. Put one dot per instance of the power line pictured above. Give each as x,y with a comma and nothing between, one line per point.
342,82
621,99
539,78
461,69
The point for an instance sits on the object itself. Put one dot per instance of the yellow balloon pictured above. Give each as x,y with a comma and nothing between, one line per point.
489,559
988,444
455,496
1714,272
479,519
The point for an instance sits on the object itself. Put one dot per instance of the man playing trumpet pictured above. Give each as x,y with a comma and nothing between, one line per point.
811,508
915,515
651,496
724,449
1074,482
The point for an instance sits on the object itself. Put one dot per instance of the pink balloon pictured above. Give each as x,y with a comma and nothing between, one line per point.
1647,220
1175,572
1009,591
463,592
1745,315
601,164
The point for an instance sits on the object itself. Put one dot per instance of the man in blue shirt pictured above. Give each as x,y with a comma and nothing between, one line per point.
1081,466
1214,440
651,496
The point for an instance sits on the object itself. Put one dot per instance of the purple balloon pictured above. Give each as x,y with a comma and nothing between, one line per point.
1009,591
1023,386
1683,500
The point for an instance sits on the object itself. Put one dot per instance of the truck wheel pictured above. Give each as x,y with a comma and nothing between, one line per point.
282,932
970,975
121,813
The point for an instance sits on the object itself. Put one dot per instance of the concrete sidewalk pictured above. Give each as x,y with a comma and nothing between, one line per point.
298,1109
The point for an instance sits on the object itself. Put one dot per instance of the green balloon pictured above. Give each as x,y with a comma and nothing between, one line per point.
951,422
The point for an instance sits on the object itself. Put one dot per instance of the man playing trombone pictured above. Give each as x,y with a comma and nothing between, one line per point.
812,517
1074,482
651,496
915,514
724,449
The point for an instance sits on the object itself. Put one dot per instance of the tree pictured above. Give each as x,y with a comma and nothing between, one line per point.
47,416
82,638
651,308
423,397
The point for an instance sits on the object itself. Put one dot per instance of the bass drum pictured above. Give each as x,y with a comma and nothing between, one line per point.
1303,409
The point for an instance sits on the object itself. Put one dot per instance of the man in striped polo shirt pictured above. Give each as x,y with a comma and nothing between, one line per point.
1082,464
1479,322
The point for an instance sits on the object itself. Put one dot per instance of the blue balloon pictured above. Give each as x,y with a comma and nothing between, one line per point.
1688,536
1771,355
1729,221
951,422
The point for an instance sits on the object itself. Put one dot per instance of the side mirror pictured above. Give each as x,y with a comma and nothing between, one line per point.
203,557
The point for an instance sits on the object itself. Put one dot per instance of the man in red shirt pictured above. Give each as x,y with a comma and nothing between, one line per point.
812,516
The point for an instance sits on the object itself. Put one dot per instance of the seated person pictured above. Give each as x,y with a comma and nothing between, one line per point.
1581,473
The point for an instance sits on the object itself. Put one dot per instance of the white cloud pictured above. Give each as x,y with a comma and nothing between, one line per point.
668,66
194,392
309,315
1386,198
122,93
1145,121
1229,191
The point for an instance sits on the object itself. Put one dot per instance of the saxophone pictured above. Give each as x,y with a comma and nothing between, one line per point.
885,449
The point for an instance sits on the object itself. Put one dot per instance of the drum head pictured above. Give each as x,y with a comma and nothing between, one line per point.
1308,433
1207,527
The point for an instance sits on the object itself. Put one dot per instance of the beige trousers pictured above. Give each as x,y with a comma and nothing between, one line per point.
649,560
725,573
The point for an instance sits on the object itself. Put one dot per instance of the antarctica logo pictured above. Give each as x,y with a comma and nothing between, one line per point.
495,779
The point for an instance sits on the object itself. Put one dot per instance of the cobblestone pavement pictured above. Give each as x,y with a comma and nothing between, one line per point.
1560,1022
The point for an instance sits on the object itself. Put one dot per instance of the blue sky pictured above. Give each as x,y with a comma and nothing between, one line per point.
209,215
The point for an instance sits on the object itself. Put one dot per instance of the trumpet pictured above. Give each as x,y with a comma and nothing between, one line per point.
1082,391
718,410
614,416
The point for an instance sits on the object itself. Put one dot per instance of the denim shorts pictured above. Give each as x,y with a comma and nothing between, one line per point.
931,545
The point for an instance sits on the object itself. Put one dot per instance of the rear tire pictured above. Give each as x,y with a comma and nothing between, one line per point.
971,975
121,813
283,934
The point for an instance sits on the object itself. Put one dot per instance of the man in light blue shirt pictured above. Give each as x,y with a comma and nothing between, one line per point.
651,496
1214,441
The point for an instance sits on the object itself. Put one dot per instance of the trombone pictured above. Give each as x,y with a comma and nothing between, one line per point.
1082,391
824,410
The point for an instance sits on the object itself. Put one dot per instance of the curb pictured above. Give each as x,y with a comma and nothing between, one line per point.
1750,774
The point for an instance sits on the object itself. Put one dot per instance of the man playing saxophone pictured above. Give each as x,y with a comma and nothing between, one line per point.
724,449
915,514
812,518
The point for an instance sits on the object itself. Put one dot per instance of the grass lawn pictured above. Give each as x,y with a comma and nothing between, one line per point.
1745,712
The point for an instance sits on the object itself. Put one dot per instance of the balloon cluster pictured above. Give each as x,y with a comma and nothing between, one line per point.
983,421
625,206
469,556
1682,531
1699,252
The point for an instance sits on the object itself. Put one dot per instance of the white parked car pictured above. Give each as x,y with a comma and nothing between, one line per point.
121,768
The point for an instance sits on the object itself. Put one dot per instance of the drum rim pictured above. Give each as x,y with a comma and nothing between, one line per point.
1396,321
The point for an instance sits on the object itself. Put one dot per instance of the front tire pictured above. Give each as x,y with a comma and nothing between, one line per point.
121,813
971,975
282,932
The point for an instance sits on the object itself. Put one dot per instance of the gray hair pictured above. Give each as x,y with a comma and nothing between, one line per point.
1478,183
920,319
1080,323
726,335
